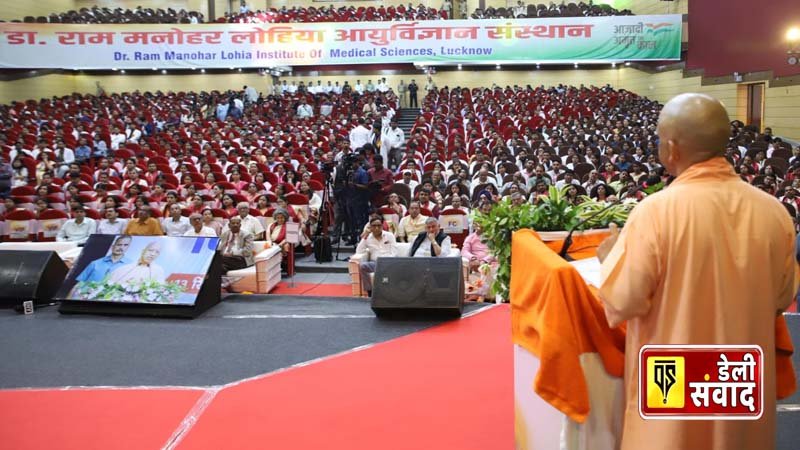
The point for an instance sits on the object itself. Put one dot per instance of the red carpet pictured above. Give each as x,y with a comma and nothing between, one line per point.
448,387
92,419
313,289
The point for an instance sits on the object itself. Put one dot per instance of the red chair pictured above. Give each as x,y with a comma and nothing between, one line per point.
93,214
451,220
23,190
49,223
20,226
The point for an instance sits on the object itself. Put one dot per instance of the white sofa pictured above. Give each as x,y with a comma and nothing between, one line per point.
403,249
262,276
67,251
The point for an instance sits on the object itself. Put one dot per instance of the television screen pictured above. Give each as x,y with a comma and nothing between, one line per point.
140,269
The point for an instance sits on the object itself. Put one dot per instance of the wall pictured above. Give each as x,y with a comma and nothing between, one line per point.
477,78
741,37
61,84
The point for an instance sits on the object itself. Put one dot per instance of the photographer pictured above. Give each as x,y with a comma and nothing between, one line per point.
350,190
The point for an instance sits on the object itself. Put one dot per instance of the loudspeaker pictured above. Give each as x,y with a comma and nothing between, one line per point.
418,286
29,275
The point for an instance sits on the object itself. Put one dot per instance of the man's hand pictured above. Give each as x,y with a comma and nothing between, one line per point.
605,247
431,237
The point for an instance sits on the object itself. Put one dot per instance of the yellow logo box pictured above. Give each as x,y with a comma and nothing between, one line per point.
666,380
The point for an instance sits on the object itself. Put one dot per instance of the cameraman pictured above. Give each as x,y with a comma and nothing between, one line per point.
358,203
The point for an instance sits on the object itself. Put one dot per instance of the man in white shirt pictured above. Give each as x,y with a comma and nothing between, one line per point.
77,229
378,243
304,110
360,136
132,134
359,88
197,229
249,223
292,88
569,178
393,137
382,86
370,86
117,138
111,224
175,224
337,89
432,243
251,94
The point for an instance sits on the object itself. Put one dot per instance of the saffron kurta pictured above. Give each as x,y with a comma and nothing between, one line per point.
709,260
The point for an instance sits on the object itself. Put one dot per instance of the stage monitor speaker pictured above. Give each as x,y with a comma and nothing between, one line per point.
29,275
432,287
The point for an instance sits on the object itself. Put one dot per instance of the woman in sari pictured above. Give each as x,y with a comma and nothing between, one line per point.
208,221
276,233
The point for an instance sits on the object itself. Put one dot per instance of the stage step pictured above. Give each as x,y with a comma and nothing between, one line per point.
307,264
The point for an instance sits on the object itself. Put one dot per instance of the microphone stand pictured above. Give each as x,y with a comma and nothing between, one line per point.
568,239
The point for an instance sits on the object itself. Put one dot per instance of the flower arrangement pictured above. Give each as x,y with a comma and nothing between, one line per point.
144,291
552,212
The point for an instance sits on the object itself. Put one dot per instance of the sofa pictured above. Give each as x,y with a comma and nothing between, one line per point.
403,249
262,276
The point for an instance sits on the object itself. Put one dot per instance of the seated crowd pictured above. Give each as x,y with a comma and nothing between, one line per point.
178,163
96,14
563,9
333,14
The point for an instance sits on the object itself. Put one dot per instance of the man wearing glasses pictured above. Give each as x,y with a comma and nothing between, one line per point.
434,242
378,243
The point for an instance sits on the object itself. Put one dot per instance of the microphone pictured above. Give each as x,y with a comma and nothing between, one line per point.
568,239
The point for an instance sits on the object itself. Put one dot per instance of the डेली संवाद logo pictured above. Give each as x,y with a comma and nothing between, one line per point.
696,382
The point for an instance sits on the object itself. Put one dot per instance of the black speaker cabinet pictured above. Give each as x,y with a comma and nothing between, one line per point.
29,275
432,287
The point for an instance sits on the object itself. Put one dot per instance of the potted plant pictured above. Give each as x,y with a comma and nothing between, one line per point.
551,216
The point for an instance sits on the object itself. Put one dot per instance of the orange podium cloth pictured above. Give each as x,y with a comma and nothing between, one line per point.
556,316
583,246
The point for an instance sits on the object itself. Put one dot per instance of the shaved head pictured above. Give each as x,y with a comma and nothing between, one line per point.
692,128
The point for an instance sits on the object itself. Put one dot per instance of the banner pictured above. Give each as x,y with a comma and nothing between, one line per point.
170,46
140,269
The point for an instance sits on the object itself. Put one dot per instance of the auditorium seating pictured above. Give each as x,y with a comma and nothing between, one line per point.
508,131
341,14
552,10
99,15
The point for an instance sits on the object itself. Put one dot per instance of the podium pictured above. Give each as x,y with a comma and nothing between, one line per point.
568,363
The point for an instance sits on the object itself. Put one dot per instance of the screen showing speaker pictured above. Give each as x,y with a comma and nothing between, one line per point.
140,269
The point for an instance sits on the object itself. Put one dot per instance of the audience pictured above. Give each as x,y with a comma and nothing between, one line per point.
563,9
98,15
77,229
236,246
377,243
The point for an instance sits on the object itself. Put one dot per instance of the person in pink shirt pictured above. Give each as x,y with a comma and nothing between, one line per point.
476,251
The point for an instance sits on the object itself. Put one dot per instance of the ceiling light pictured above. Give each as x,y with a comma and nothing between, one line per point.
497,66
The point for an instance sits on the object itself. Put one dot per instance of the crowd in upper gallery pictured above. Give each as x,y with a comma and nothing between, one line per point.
331,13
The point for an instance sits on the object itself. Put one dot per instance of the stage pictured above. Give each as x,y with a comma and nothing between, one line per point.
268,372
257,372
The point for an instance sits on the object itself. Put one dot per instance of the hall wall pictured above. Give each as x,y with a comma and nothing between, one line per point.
63,84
